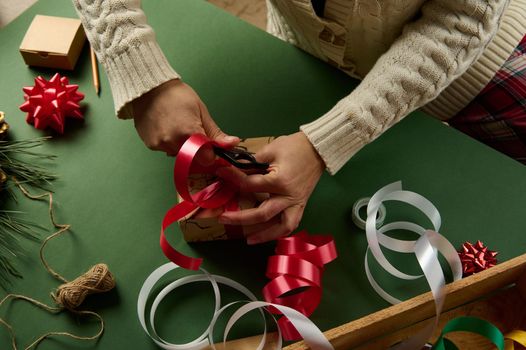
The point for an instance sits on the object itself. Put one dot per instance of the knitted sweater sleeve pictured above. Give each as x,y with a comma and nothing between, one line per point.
431,52
126,46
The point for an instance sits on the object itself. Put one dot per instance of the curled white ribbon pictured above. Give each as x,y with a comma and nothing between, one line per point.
362,203
426,249
312,335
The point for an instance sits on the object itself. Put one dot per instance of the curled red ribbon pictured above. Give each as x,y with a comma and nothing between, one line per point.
295,272
217,194
296,269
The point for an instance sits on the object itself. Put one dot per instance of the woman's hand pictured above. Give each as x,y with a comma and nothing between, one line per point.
295,169
167,115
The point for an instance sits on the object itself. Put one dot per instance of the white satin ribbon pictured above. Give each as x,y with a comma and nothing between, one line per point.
426,249
313,337
357,219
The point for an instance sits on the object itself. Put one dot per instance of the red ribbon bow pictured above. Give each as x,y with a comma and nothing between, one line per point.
476,257
217,194
48,103
296,272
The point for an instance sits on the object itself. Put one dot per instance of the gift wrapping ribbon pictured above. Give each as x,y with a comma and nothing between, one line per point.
426,250
357,219
319,250
312,336
295,272
215,195
481,327
472,325
516,336
297,266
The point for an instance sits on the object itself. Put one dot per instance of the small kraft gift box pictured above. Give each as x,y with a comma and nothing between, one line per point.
53,42
202,224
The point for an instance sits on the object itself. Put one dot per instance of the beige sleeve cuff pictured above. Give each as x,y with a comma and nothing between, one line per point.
335,136
136,71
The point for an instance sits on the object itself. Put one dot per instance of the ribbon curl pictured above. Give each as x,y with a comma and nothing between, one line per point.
426,250
481,327
313,337
295,272
215,195
516,336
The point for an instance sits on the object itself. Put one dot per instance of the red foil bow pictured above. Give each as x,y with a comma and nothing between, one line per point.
296,272
48,103
218,194
476,257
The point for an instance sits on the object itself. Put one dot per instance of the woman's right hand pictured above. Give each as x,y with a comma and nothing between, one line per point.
167,115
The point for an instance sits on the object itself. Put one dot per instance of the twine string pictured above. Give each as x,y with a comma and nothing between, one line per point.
69,295
61,227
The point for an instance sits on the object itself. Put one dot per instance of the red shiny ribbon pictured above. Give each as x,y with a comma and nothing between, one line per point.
217,194
295,272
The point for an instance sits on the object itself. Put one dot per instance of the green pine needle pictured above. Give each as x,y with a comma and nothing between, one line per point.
12,230
20,160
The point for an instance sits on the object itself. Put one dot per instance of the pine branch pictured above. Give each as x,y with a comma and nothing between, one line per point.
12,229
20,160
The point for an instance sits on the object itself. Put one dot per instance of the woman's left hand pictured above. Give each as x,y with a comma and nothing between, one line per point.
295,169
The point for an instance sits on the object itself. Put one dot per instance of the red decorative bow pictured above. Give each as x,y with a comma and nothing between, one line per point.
217,194
476,257
296,272
48,103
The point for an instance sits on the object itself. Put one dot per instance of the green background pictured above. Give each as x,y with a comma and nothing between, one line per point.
114,191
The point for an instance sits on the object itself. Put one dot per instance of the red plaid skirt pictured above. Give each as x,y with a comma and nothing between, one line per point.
497,115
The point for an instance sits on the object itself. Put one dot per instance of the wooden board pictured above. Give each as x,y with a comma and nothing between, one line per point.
506,309
497,295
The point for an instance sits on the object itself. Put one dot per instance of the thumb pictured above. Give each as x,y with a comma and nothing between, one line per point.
214,132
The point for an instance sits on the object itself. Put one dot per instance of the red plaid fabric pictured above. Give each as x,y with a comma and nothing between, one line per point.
497,115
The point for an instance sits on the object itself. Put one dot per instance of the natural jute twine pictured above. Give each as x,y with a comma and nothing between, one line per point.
69,295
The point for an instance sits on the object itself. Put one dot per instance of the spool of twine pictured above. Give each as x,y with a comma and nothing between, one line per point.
98,279
71,294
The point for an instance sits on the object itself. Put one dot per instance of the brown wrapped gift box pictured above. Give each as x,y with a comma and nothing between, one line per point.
202,224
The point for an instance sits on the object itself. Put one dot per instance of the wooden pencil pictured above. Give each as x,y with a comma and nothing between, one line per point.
95,71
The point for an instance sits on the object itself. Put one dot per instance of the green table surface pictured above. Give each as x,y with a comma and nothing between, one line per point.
114,191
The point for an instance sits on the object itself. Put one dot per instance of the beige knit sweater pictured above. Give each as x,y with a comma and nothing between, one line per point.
408,52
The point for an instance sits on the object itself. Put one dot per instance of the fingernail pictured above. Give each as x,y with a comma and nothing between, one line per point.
230,139
253,240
